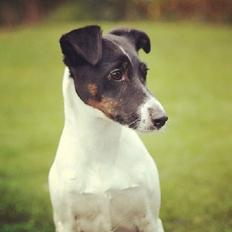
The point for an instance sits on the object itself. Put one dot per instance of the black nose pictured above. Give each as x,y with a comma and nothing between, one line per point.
159,122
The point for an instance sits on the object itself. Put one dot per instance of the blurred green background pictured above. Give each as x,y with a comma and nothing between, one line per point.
190,72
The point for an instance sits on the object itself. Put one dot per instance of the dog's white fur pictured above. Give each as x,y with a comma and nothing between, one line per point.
102,178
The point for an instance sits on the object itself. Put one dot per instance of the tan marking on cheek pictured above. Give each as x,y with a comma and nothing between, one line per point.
106,105
92,88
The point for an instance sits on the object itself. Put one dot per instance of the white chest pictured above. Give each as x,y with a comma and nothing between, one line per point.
102,179
109,165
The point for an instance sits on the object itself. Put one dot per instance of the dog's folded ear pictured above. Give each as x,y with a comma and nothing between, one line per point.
82,45
138,38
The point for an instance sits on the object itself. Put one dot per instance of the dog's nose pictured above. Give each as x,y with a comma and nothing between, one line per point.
159,122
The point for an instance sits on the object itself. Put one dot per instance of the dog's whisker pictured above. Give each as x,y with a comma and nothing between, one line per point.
134,122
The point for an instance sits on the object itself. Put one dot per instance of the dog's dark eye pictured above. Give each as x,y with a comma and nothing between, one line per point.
116,74
144,69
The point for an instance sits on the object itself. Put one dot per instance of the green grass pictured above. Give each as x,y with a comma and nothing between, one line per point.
190,72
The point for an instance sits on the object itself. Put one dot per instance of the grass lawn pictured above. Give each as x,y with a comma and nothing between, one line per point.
191,74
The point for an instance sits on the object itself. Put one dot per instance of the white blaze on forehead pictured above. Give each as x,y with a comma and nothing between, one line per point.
125,53
123,50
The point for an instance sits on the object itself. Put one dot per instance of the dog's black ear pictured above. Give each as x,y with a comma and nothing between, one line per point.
82,45
139,38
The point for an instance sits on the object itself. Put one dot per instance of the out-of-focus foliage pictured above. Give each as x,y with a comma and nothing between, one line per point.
13,12
28,11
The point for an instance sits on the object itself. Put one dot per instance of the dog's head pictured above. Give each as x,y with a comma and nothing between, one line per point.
109,76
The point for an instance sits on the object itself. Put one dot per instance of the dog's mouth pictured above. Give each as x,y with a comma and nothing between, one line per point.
132,121
134,124
148,129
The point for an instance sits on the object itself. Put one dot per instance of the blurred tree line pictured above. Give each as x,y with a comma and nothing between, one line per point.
13,12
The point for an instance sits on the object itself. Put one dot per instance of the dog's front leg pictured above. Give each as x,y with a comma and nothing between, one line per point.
84,213
64,224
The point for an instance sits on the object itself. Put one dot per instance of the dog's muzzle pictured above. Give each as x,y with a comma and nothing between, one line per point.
153,115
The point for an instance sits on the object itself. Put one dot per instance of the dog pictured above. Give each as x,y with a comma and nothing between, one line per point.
103,179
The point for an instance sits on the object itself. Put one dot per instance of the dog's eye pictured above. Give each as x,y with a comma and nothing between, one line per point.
144,69
116,74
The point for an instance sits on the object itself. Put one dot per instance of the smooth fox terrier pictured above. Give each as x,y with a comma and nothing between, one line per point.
103,179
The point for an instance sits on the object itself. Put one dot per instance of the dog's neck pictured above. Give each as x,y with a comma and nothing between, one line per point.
90,126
